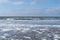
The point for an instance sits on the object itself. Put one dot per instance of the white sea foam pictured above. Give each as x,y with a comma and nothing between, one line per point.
6,29
27,37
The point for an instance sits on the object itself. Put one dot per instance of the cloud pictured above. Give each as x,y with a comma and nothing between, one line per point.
40,12
52,10
18,3
4,1
21,2
43,1
12,2
33,2
44,11
24,3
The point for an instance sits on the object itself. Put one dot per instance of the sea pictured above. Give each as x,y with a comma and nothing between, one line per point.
29,28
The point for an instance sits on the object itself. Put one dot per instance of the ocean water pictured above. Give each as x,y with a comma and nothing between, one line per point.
29,29
31,22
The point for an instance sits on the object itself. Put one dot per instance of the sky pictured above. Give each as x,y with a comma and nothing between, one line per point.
29,7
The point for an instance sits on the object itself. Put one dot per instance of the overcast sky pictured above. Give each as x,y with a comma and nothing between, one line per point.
29,7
